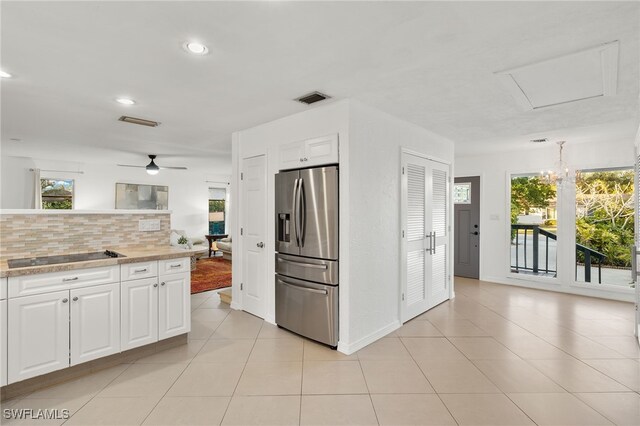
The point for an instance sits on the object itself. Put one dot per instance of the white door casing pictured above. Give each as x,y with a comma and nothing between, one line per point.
425,235
254,227
95,322
38,338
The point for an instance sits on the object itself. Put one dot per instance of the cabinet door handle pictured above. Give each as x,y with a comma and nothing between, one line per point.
155,285
65,300
162,283
75,299
176,265
305,159
69,279
141,270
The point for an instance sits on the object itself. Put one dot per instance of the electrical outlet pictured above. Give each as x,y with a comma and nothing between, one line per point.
146,225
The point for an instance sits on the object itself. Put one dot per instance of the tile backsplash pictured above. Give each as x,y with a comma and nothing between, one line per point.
43,234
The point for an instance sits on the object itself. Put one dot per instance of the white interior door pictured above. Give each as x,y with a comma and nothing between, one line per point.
438,255
254,227
425,235
414,226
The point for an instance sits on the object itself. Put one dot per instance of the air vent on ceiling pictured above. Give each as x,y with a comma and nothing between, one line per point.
312,98
140,121
542,140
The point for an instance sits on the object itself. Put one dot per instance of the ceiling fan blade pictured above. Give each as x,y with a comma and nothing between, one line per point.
129,165
174,168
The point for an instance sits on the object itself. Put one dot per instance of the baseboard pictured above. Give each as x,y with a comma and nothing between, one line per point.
348,349
271,320
236,306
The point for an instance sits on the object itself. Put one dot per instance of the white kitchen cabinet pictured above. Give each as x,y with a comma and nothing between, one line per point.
3,342
174,266
174,305
38,335
138,270
309,152
139,313
95,322
26,285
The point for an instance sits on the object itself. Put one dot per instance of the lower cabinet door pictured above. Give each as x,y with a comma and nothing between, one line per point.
139,313
95,322
3,343
38,335
174,308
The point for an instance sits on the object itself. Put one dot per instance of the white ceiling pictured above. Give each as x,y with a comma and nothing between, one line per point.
431,63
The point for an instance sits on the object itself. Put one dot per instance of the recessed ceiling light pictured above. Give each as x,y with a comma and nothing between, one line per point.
5,74
125,101
196,48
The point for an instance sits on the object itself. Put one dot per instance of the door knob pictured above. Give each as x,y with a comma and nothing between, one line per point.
65,300
260,244
474,233
75,299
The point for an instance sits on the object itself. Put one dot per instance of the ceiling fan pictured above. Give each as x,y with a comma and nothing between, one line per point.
152,167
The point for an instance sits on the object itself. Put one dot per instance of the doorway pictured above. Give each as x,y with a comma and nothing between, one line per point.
466,208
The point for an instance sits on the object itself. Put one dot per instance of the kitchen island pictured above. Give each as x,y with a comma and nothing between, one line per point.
63,320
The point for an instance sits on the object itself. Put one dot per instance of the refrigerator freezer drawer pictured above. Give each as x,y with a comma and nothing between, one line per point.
316,270
308,309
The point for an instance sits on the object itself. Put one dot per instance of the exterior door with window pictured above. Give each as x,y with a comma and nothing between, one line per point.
466,207
425,235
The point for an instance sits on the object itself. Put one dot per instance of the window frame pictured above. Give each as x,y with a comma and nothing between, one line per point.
73,192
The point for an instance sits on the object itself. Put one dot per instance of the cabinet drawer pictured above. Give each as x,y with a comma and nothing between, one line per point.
3,288
174,266
134,271
64,280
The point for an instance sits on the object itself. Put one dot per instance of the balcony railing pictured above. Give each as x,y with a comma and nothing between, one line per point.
538,247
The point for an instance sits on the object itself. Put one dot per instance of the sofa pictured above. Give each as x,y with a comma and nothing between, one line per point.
224,245
194,243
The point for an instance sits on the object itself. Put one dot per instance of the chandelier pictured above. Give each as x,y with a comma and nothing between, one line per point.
561,172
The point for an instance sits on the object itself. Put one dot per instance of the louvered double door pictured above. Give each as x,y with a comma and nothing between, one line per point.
425,265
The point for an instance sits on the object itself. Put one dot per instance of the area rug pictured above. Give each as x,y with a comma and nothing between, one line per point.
211,273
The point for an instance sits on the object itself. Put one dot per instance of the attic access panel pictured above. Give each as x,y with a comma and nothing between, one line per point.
583,75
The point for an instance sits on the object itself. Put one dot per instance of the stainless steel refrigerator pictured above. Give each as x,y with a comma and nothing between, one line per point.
307,252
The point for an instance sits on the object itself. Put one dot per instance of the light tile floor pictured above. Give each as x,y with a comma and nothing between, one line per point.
494,355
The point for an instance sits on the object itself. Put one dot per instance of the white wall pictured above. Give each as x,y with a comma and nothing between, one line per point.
495,169
375,143
370,143
95,188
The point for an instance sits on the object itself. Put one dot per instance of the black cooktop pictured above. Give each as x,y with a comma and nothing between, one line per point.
66,258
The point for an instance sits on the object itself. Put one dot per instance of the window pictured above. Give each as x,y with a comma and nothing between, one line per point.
604,226
217,213
57,193
462,193
534,235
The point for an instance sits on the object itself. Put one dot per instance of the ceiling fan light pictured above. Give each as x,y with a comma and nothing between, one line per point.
152,167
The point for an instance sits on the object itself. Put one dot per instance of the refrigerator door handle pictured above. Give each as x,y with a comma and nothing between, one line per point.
294,210
302,205
307,289
305,264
